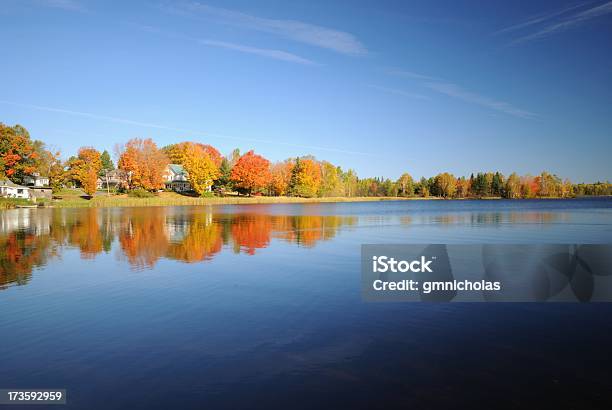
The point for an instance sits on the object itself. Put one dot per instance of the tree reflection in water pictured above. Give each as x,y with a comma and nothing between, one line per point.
143,236
29,238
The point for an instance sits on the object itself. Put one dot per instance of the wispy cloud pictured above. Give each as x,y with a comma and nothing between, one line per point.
557,21
264,52
175,129
456,91
453,90
540,18
399,92
331,39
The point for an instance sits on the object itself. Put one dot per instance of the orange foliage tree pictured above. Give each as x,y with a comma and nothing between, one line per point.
213,154
144,164
85,167
18,156
251,173
280,177
530,186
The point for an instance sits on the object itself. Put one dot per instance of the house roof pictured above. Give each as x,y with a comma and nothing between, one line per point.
177,169
9,183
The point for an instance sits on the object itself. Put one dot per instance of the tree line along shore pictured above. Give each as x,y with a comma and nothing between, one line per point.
194,173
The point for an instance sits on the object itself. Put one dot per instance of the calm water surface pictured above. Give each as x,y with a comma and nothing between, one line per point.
259,306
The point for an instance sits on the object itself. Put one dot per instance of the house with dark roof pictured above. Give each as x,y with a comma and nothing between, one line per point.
176,178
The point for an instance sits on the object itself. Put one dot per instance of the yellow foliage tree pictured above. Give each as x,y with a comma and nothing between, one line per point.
200,167
446,184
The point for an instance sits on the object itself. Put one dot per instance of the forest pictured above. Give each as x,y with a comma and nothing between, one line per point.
143,164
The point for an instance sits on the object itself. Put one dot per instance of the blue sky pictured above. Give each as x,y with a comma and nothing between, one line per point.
383,87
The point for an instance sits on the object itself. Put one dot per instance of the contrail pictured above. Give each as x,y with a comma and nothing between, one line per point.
168,128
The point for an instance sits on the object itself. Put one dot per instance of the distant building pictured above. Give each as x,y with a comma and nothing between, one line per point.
9,189
36,180
113,179
176,178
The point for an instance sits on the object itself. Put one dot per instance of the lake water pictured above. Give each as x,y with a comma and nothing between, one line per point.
259,306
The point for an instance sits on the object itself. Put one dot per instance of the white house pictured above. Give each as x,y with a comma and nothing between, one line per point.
9,189
36,180
176,178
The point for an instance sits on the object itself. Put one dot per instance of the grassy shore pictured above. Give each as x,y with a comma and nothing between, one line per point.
7,203
75,200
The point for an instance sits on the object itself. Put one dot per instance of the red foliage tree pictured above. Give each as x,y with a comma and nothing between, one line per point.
251,172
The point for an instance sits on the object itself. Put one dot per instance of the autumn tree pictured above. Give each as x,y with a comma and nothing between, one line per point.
213,154
405,185
280,177
462,187
388,188
143,163
550,185
251,173
445,184
567,190
423,187
85,168
177,153
513,187
57,175
18,156
530,186
200,167
49,164
305,178
331,180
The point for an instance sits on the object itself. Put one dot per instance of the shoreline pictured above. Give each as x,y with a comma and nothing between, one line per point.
172,199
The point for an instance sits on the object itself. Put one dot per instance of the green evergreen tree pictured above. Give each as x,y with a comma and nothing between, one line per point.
225,170
107,163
